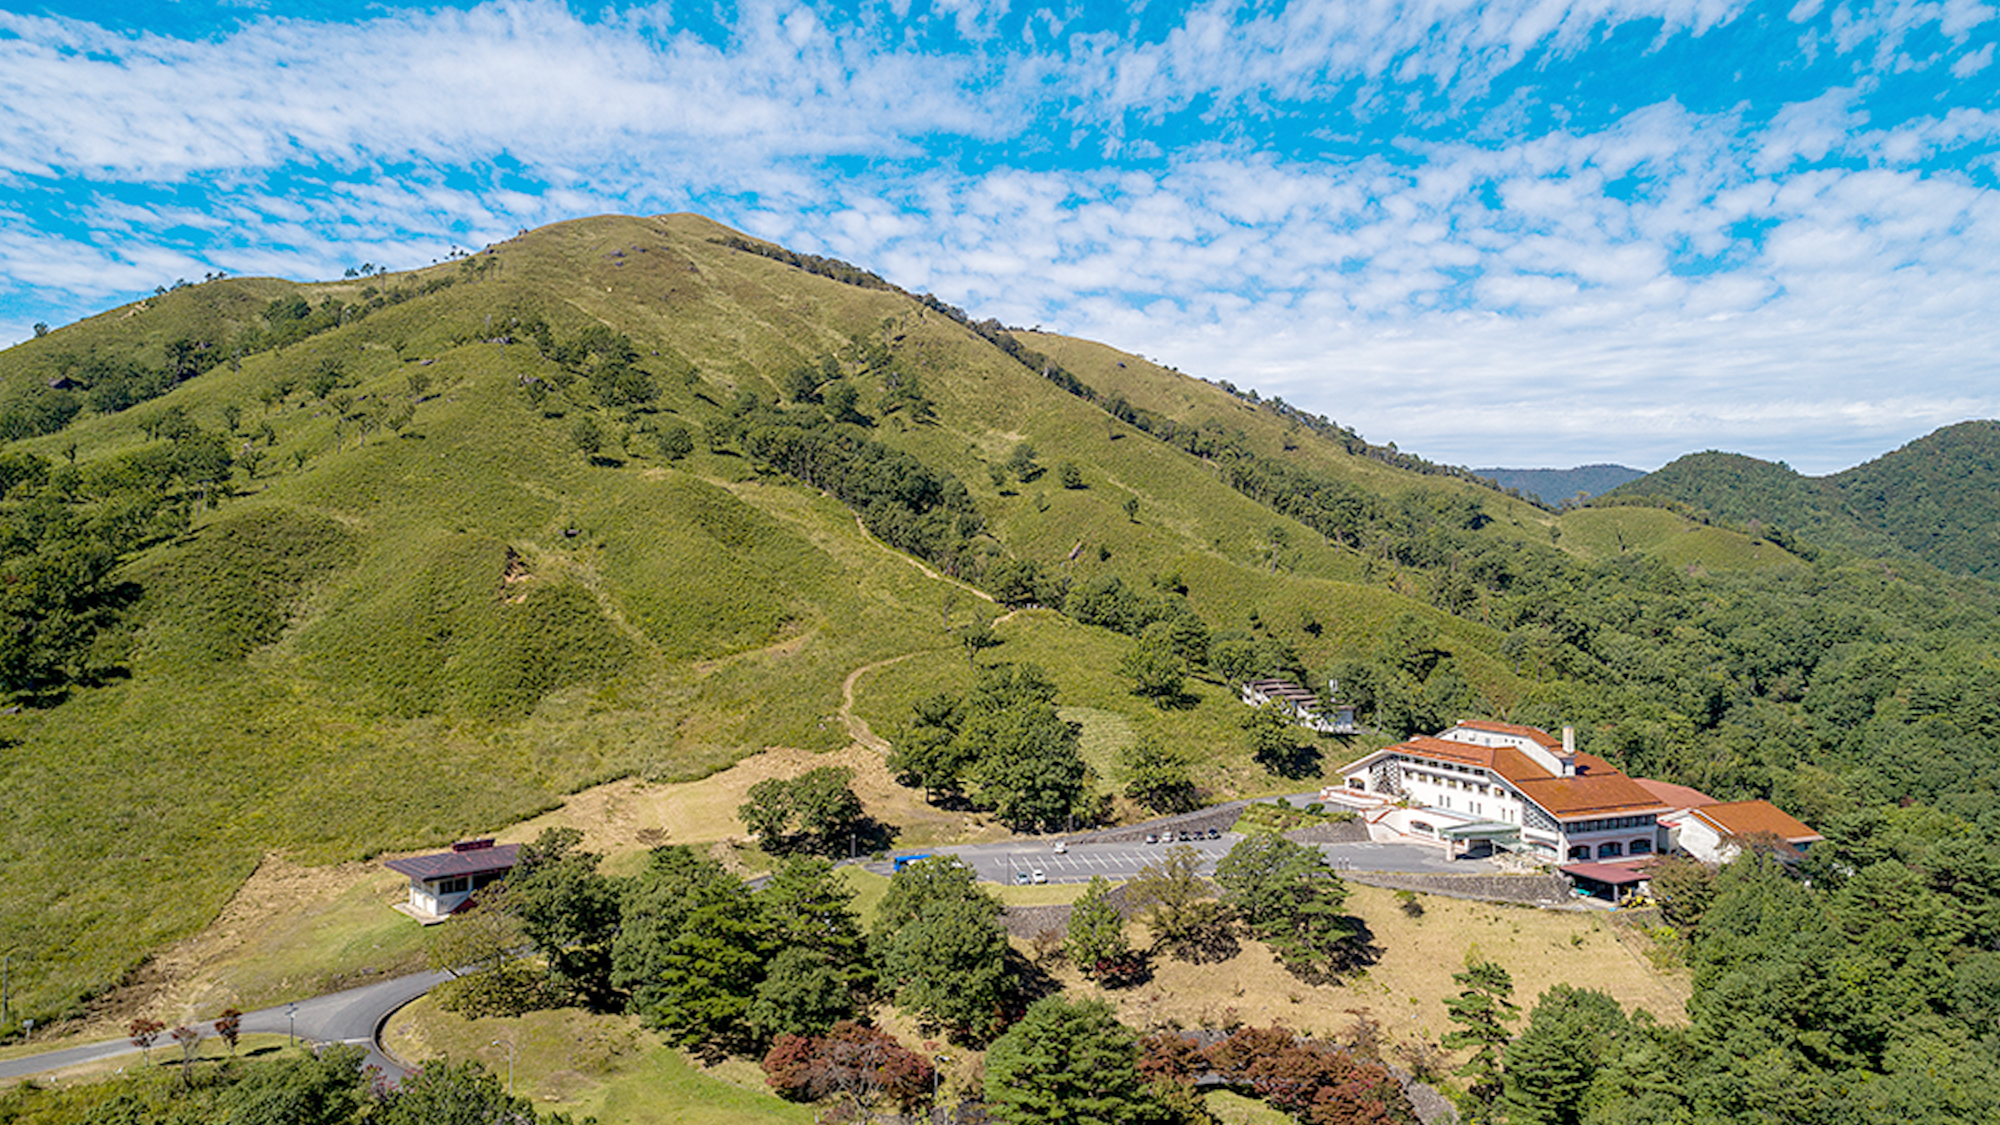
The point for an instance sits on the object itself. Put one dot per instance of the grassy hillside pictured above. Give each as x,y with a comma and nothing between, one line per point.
365,565
417,607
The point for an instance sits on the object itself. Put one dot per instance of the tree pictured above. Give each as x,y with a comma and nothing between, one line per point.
1314,1081
1572,1033
1482,1009
1097,943
587,436
866,1068
1155,667
1276,743
1158,778
819,806
1291,899
1131,508
710,970
691,946
1069,475
229,1025
1021,463
977,637
568,909
940,947
1067,1062
144,1031
1181,909
189,1041
674,441
442,1092
928,752
822,973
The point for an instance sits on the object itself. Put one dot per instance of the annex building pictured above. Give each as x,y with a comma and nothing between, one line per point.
444,882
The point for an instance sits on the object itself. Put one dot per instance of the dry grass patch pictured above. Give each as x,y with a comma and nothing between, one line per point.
1405,991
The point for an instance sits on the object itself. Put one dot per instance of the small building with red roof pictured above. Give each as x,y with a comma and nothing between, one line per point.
1716,832
444,882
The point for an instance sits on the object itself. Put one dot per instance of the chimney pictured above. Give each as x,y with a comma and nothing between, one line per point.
1569,752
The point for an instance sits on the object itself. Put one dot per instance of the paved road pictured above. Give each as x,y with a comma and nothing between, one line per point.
1118,861
353,1016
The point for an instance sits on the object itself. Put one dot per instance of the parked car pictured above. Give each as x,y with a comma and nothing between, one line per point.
1021,877
1214,834
1151,838
1039,877
1062,847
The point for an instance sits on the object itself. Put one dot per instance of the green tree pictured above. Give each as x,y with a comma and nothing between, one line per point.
940,947
803,993
674,441
817,807
1096,938
811,907
1068,475
1158,778
587,436
690,949
1291,899
1021,463
1155,667
1572,1034
1482,1009
442,1092
568,909
1067,1062
928,753
977,636
1181,908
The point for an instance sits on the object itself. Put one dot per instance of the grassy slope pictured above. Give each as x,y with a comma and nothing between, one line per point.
474,619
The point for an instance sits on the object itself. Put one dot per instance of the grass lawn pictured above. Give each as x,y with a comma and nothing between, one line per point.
587,1065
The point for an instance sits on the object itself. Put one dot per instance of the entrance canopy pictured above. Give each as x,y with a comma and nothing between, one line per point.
1493,830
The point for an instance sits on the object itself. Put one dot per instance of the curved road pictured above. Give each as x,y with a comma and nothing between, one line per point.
357,1015
354,1016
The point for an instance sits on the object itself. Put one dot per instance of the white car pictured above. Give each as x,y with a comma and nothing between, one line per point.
1062,847
1039,877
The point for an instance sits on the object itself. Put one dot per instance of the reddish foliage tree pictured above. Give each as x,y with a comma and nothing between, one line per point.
230,1027
1168,1057
864,1066
1315,1081
144,1033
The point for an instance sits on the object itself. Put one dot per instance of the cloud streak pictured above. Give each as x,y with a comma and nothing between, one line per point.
1418,218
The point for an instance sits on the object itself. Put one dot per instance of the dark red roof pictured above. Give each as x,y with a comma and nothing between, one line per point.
448,865
1604,873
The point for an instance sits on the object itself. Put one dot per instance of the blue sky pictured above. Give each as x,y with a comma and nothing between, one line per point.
1520,234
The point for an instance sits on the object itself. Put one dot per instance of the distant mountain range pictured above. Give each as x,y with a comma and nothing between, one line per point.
1554,486
1937,498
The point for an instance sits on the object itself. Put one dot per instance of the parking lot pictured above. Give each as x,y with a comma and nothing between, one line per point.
1018,861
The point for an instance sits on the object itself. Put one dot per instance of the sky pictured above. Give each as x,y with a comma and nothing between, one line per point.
1518,233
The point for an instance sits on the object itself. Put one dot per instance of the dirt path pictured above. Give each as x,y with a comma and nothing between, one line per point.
857,727
920,564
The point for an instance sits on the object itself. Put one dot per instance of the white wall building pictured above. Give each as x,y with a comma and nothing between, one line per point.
1483,784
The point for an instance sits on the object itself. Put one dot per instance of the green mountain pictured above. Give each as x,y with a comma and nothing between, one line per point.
1937,498
338,568
1556,486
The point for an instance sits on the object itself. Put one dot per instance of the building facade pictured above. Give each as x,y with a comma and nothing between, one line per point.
1484,784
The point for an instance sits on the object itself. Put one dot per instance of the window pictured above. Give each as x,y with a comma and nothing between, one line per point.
1581,851
1606,851
1357,783
1641,847
1422,827
451,886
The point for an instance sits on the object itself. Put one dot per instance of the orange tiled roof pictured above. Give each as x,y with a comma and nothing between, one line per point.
1598,789
1679,796
1749,818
